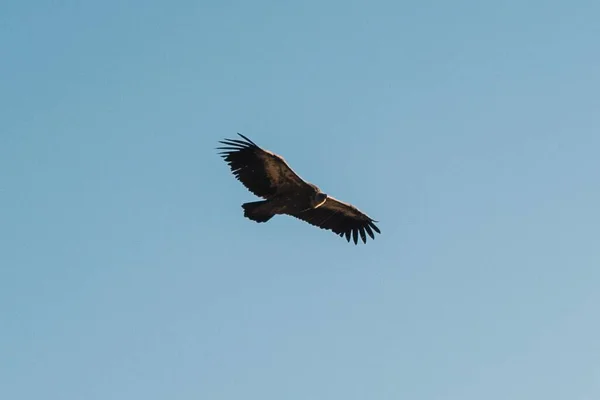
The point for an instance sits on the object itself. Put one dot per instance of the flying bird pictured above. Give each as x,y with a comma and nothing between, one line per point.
268,176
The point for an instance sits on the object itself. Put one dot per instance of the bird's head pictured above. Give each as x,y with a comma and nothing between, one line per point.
320,199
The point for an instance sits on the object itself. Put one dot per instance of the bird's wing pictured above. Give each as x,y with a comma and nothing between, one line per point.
341,218
264,173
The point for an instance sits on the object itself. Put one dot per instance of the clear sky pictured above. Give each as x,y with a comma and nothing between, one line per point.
469,129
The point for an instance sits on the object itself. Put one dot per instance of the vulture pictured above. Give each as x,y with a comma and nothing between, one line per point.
268,176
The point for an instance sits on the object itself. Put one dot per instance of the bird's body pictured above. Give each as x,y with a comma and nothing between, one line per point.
267,175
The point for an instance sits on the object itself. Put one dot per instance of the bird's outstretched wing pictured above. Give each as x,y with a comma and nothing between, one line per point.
264,173
342,218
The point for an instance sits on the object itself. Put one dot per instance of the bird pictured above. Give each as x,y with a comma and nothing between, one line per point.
268,176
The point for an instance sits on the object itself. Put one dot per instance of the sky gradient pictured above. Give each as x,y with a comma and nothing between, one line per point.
469,129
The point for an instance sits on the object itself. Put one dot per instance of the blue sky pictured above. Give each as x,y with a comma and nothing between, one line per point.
470,129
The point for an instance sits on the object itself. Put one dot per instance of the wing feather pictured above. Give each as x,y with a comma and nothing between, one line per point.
341,218
264,173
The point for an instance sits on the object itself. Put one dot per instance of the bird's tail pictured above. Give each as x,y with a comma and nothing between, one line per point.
259,211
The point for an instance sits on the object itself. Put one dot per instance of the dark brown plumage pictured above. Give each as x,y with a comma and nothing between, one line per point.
268,176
